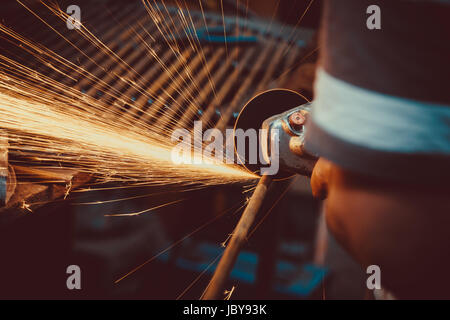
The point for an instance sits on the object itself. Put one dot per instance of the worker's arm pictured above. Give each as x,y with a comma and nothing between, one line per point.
380,117
403,228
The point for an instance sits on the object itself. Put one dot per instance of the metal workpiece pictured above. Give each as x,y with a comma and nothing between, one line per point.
291,134
7,176
215,288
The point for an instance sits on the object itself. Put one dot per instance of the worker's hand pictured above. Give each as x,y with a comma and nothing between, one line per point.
320,178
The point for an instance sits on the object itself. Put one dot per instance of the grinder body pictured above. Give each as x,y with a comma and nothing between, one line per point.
293,158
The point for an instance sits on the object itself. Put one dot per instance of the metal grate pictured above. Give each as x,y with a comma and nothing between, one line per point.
238,72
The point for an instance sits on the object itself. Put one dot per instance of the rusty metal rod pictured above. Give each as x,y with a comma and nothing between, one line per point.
215,287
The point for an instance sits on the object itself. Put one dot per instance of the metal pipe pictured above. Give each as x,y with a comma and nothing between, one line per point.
215,287
7,176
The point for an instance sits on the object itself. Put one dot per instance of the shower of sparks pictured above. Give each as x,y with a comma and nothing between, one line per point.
49,121
49,130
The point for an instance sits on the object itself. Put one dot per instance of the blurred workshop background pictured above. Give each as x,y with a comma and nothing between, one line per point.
43,229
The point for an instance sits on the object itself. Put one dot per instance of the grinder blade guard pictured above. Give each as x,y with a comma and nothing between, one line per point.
286,127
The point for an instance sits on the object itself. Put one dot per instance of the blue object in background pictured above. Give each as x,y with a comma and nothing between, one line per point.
215,35
297,280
